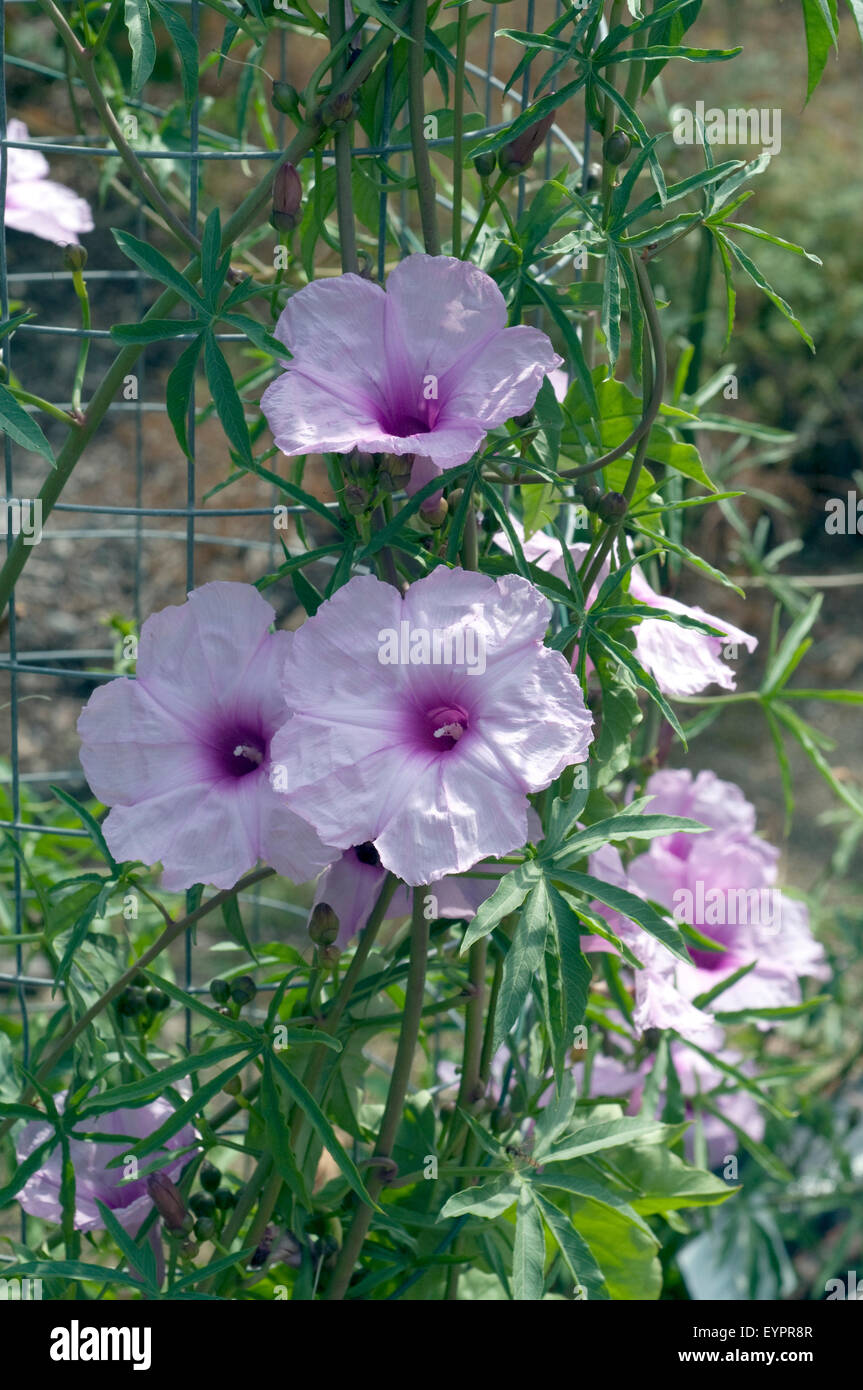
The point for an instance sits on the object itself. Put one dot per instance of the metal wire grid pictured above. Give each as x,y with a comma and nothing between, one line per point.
48,663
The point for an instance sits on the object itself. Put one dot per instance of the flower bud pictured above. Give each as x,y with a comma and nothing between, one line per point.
356,499
395,471
168,1201
329,955
225,1198
132,1002
338,111
523,421
323,925
287,199
590,497
359,464
74,257
612,506
202,1204
518,155
616,148
233,1086
434,513
285,98
209,1176
220,991
484,164
157,1000
205,1228
243,990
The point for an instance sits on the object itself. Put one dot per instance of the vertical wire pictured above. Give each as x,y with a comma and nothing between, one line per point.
9,481
194,174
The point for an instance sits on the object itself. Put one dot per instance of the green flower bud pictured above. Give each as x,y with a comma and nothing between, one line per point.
323,925
617,147
74,257
285,98
225,1198
287,199
205,1228
434,513
612,506
220,991
395,471
484,164
518,155
337,111
157,1000
243,990
523,421
132,1002
209,1176
202,1203
591,496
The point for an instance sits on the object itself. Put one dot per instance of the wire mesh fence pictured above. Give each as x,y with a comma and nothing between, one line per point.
136,528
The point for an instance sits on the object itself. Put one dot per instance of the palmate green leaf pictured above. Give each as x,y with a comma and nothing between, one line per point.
78,933
584,1185
488,1199
574,1251
807,737
140,1257
156,330
641,676
663,543
322,1127
523,961
784,662
22,427
89,822
623,827
665,1183
552,302
141,41
778,1111
277,1139
638,126
758,279
528,1252
186,1113
619,900
529,117
574,968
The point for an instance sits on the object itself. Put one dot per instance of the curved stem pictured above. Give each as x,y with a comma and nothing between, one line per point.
395,1097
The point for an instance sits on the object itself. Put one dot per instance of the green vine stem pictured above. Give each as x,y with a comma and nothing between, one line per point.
422,163
399,1080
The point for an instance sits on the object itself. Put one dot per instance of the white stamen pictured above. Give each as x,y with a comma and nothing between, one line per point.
453,730
244,750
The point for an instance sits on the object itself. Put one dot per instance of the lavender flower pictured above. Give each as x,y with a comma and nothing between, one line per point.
182,753
426,368
34,203
431,759
95,1182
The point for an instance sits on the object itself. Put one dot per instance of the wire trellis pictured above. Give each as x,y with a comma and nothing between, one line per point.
66,666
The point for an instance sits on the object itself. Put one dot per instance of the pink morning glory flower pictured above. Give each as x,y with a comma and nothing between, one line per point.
682,660
422,723
425,368
34,203
724,884
94,1180
182,752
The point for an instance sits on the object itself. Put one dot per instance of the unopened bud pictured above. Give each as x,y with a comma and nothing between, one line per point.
233,1086
616,148
356,499
205,1228
285,98
590,497
359,464
523,421
209,1176
225,1198
484,164
338,111
220,991
434,513
612,506
202,1204
323,925
243,990
518,155
329,955
132,1002
287,199
168,1201
157,1000
74,257
395,471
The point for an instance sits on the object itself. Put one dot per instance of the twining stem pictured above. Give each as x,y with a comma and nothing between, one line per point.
653,389
422,163
588,335
83,60
169,935
342,141
394,1107
343,998
251,209
27,398
458,129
